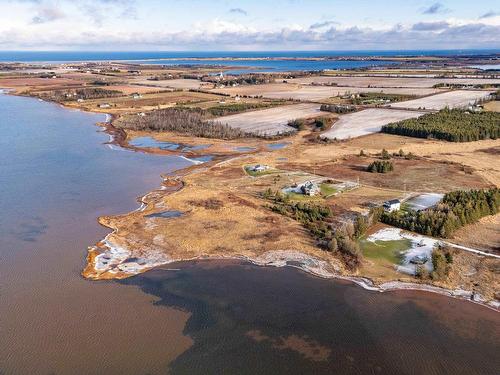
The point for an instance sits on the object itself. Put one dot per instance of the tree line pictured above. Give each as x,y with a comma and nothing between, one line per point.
339,239
452,125
457,208
182,120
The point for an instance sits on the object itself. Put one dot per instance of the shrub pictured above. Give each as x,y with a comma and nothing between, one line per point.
298,124
379,166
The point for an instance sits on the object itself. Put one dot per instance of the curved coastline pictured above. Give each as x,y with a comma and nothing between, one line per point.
301,261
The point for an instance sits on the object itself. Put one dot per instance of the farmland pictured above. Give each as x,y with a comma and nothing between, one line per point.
272,121
452,99
366,122
373,81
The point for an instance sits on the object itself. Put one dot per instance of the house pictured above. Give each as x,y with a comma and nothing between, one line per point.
392,205
419,259
260,168
309,188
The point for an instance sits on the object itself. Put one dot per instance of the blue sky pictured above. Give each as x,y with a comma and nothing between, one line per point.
248,25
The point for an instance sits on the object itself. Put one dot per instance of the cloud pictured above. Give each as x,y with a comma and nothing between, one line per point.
240,11
319,25
430,26
435,8
227,35
47,14
489,14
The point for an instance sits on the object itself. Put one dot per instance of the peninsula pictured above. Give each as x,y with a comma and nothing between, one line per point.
388,176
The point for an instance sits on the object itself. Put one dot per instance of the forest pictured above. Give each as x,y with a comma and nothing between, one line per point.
181,120
452,125
456,209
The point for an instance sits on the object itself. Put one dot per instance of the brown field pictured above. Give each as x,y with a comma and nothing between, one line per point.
452,99
483,235
130,89
20,84
367,121
479,156
150,101
409,175
183,84
311,93
493,106
390,82
271,121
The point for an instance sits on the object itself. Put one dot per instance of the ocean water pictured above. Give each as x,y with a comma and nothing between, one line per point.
47,56
57,176
252,64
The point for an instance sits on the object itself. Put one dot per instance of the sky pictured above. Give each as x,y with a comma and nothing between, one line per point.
246,25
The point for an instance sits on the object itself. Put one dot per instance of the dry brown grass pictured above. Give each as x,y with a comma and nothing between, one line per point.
493,106
410,175
416,82
484,235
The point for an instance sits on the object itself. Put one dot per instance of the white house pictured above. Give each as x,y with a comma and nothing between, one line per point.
260,168
392,205
310,188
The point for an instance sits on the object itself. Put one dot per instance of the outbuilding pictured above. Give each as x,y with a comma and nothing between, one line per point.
392,205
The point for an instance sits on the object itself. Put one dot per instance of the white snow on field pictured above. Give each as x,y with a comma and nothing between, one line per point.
451,99
423,201
420,246
366,122
270,121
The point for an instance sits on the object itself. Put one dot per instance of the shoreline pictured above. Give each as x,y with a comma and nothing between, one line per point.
275,258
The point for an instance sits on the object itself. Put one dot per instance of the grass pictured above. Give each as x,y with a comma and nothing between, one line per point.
384,251
327,190
302,197
262,173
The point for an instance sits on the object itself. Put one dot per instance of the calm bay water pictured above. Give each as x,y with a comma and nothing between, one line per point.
253,62
57,177
47,56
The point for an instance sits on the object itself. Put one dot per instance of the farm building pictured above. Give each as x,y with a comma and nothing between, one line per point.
259,168
310,188
392,205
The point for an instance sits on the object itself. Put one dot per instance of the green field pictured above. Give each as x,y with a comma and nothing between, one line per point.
327,190
384,251
258,174
302,197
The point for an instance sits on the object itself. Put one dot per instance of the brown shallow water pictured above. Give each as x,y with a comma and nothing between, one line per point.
56,178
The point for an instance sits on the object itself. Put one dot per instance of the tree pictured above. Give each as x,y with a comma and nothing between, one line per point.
385,154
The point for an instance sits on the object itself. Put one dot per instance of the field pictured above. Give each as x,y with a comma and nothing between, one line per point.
270,121
421,82
21,84
183,84
452,99
300,92
130,89
366,122
483,235
151,101
493,106
411,175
